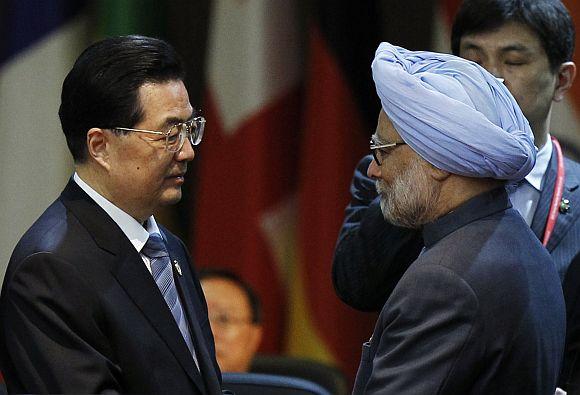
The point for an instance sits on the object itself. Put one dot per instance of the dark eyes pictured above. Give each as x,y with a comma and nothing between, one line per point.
518,63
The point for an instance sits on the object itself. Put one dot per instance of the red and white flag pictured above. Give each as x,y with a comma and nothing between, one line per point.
245,200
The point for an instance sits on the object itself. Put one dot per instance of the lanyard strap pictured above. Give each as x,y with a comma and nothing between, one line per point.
557,196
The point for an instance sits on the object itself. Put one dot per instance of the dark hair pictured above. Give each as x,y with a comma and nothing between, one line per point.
102,89
549,19
255,305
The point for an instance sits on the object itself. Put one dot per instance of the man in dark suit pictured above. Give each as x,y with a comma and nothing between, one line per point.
97,296
480,310
529,44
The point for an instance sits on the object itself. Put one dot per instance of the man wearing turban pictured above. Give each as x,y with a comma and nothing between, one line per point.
480,311
529,44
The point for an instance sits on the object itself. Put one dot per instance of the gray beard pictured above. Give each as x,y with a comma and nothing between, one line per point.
411,198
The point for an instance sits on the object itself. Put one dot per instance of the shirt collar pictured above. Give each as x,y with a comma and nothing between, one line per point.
534,177
480,206
134,231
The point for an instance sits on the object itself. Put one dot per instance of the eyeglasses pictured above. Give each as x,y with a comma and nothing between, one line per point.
379,150
225,320
176,135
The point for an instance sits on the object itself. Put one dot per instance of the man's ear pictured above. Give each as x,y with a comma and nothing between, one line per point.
98,146
437,174
564,79
255,338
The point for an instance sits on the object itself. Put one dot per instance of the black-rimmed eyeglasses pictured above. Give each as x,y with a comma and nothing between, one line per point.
176,135
379,150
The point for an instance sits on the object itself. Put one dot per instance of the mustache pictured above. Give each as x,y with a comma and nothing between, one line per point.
178,172
380,187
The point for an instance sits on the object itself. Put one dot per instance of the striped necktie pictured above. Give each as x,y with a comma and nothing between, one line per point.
156,251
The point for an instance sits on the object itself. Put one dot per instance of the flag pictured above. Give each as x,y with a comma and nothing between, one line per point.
122,17
40,41
340,108
565,123
245,196
443,19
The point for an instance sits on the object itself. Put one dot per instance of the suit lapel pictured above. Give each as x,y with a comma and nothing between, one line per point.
188,295
565,220
128,268
141,288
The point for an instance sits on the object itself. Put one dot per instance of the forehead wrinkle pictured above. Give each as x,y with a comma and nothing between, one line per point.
511,36
173,120
173,102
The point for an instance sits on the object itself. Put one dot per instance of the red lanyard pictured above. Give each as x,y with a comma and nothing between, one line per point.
557,197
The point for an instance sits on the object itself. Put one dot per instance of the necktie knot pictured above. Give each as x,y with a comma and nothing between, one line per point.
155,247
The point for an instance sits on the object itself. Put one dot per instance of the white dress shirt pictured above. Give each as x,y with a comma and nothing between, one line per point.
526,197
134,231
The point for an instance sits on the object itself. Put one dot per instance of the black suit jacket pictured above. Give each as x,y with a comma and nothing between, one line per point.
480,311
82,314
570,378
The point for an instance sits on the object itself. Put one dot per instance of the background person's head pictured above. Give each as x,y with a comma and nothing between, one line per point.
235,316
127,82
528,43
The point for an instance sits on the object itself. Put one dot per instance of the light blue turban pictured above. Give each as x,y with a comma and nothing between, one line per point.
453,113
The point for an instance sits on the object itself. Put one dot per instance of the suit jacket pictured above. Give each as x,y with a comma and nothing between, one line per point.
564,244
480,311
82,314
371,255
570,377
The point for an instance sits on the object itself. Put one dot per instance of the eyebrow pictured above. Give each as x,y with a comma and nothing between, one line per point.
175,120
375,139
516,48
508,48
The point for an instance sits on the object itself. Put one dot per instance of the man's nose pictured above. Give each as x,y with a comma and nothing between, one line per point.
186,153
493,68
374,170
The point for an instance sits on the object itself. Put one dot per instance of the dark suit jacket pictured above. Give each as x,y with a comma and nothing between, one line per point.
570,378
82,314
371,255
480,311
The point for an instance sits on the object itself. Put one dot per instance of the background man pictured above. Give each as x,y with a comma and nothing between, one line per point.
530,45
235,316
98,297
481,309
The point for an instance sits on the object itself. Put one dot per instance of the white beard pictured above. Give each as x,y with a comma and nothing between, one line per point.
410,199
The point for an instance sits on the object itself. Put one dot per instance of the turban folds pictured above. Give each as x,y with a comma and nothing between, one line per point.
453,113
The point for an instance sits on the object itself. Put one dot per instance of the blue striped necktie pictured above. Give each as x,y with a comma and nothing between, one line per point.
156,251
